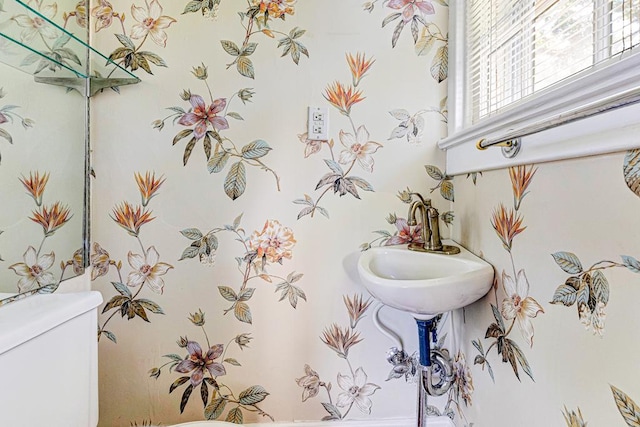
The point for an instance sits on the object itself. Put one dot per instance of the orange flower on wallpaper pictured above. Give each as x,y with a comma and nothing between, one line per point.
359,66
51,218
35,185
341,97
276,8
521,177
130,218
148,185
507,224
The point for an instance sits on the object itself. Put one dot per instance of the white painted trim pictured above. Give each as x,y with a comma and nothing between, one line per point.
395,422
609,132
579,138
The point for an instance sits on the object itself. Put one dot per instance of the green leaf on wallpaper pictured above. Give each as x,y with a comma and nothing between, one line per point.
193,6
185,397
334,166
188,150
396,33
390,18
192,233
424,44
116,301
151,306
242,312
204,393
191,251
122,289
236,181
631,263
334,412
249,49
415,30
255,149
443,2
109,335
206,144
234,115
126,41
631,170
565,294
400,114
600,287
434,172
245,67
61,41
232,361
235,416
627,407
228,293
236,222
153,58
214,410
230,47
582,298
4,134
498,316
361,183
568,261
446,190
253,395
296,32
520,357
440,64
246,294
218,162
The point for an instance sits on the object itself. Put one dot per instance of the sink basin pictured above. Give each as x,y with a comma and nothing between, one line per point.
424,284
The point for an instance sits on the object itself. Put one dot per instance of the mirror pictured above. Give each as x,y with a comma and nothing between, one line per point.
43,141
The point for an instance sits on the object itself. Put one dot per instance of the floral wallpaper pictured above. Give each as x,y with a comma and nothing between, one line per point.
41,156
560,285
224,239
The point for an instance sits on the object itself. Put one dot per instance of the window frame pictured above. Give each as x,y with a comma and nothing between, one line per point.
588,136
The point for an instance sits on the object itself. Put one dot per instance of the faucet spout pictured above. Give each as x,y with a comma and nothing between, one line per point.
430,231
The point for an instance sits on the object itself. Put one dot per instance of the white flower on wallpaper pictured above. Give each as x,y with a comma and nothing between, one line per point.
355,390
518,307
358,148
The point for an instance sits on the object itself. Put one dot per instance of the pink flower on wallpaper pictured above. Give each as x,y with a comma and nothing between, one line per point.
274,242
147,270
405,233
33,270
203,116
519,305
196,362
151,22
358,148
356,390
412,7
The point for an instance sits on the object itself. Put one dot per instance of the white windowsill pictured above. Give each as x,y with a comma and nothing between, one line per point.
607,132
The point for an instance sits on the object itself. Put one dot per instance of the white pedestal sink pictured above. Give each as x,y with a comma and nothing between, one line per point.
424,284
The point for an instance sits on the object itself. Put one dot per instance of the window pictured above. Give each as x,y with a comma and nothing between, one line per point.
523,66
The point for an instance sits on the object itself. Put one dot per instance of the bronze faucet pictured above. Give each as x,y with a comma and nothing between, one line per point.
430,227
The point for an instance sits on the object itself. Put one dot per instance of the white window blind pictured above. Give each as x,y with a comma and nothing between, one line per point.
516,48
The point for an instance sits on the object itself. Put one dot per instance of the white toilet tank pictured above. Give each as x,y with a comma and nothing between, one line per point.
49,361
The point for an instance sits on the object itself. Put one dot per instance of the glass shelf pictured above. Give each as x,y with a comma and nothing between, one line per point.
31,42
